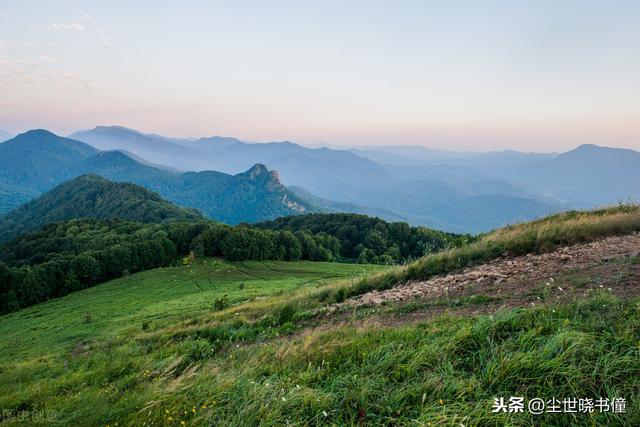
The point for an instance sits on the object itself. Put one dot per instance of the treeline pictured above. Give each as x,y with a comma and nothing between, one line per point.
365,239
69,256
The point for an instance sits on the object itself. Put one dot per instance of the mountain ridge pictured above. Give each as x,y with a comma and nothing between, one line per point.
227,198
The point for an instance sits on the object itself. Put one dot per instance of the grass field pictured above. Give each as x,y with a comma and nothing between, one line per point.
158,298
165,347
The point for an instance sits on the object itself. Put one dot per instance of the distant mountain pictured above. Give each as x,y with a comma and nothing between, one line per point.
331,206
34,162
340,176
587,176
407,155
327,173
38,160
90,196
157,149
5,135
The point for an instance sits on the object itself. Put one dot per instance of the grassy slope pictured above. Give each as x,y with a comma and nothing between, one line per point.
160,297
260,361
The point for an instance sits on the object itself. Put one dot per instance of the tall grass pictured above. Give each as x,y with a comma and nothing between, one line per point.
446,372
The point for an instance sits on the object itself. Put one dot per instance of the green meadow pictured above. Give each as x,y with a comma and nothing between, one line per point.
158,298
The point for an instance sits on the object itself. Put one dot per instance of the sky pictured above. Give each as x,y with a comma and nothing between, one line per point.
460,75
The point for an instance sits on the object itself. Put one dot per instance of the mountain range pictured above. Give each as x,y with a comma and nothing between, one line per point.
430,195
38,160
229,180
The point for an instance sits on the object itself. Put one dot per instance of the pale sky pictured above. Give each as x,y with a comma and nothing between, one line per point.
481,75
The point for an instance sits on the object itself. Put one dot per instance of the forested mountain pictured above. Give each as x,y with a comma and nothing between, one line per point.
90,196
37,161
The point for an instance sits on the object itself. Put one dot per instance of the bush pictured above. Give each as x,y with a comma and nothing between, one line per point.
220,303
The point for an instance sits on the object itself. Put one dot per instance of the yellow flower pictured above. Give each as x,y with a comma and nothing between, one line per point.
441,402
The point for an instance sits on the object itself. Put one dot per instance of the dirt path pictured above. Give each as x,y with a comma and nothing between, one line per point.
520,281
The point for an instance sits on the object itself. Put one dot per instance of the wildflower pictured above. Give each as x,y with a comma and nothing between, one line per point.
325,414
441,402
559,288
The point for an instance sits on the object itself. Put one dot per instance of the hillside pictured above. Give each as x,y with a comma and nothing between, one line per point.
37,161
90,196
546,309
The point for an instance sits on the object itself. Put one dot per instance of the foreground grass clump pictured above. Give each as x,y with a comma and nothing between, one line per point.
539,236
445,372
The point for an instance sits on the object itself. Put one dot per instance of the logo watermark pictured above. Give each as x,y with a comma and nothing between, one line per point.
42,416
567,405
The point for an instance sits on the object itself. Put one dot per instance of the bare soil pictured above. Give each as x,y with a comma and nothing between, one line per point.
564,275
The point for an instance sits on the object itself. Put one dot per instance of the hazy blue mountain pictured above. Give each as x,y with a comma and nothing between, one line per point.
331,206
327,173
425,186
175,153
37,161
91,196
402,155
587,176
340,176
5,135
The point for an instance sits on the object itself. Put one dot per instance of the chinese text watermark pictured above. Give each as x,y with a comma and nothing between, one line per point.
539,406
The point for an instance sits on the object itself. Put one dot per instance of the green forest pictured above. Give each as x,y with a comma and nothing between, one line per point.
367,239
64,257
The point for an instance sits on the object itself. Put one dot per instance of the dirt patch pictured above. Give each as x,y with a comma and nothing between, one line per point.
567,274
